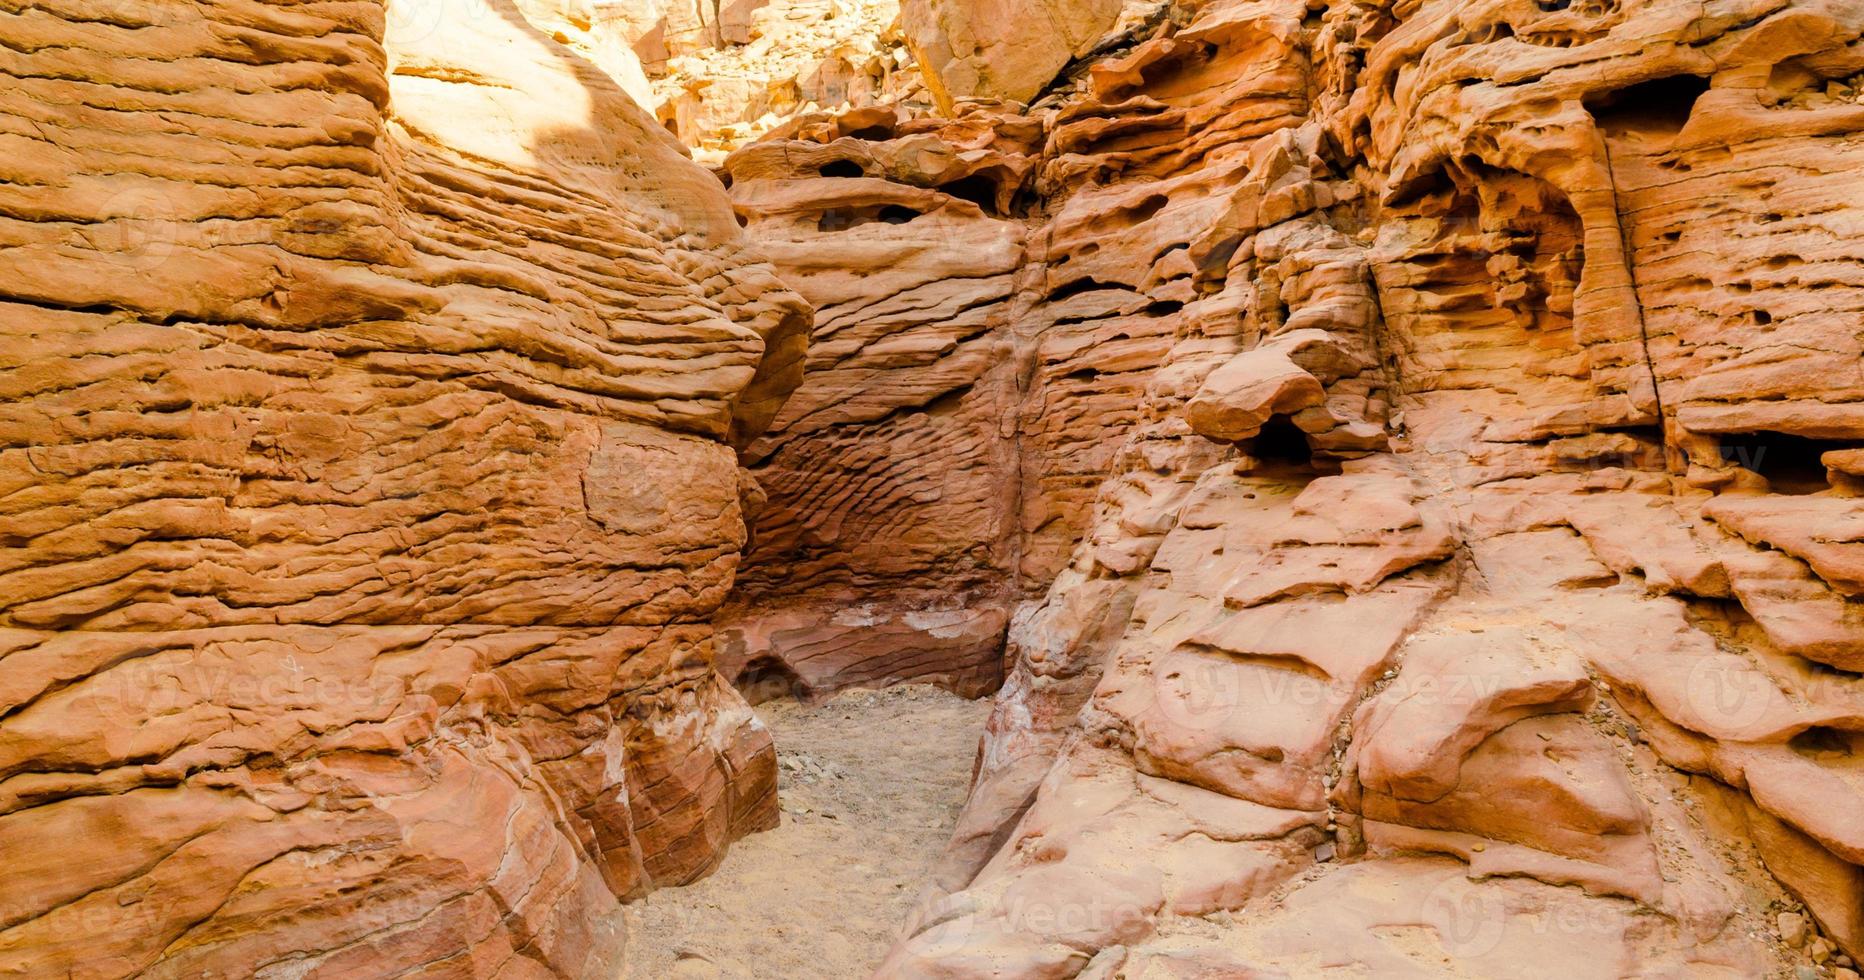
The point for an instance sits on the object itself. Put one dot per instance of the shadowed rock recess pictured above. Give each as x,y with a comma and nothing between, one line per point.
1398,464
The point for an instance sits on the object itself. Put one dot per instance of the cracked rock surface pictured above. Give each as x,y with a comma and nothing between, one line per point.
1398,464
365,493
1435,426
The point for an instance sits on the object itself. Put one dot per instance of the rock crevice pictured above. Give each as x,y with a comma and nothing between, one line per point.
1468,511
364,494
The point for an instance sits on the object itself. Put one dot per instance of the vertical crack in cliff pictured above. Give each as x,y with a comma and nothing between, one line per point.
1626,249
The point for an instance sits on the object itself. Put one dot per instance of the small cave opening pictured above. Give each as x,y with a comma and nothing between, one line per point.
1790,464
872,134
1661,106
948,403
1821,740
841,219
1436,183
1187,71
1281,444
841,168
768,679
1145,209
1085,284
977,189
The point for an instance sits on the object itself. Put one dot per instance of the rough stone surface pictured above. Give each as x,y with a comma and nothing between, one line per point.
364,494
1007,49
1398,462
719,75
961,401
1482,484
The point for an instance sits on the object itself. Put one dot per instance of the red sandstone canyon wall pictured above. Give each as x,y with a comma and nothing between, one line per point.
1477,511
1400,467
365,494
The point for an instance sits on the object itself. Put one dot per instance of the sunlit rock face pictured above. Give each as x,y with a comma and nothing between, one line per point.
1401,464
366,494
717,75
1002,50
1465,523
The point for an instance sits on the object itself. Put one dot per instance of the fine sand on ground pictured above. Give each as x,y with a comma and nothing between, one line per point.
871,783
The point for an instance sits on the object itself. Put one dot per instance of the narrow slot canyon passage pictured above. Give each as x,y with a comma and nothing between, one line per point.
871,783
931,489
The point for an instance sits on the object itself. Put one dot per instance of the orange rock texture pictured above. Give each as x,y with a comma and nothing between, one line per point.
1437,426
957,412
1399,463
717,75
365,493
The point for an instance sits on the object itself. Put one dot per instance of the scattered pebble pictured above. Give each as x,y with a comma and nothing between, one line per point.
1792,928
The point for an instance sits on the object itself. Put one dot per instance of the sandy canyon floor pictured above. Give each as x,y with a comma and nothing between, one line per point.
871,783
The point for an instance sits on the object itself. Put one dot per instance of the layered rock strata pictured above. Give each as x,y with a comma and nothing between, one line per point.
366,494
964,394
1474,574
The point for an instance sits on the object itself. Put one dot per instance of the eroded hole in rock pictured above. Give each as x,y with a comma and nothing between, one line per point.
401,468
1189,69
1498,32
835,219
1147,208
1824,740
1281,446
948,402
1658,107
977,188
1434,183
842,219
1085,284
767,678
1790,464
